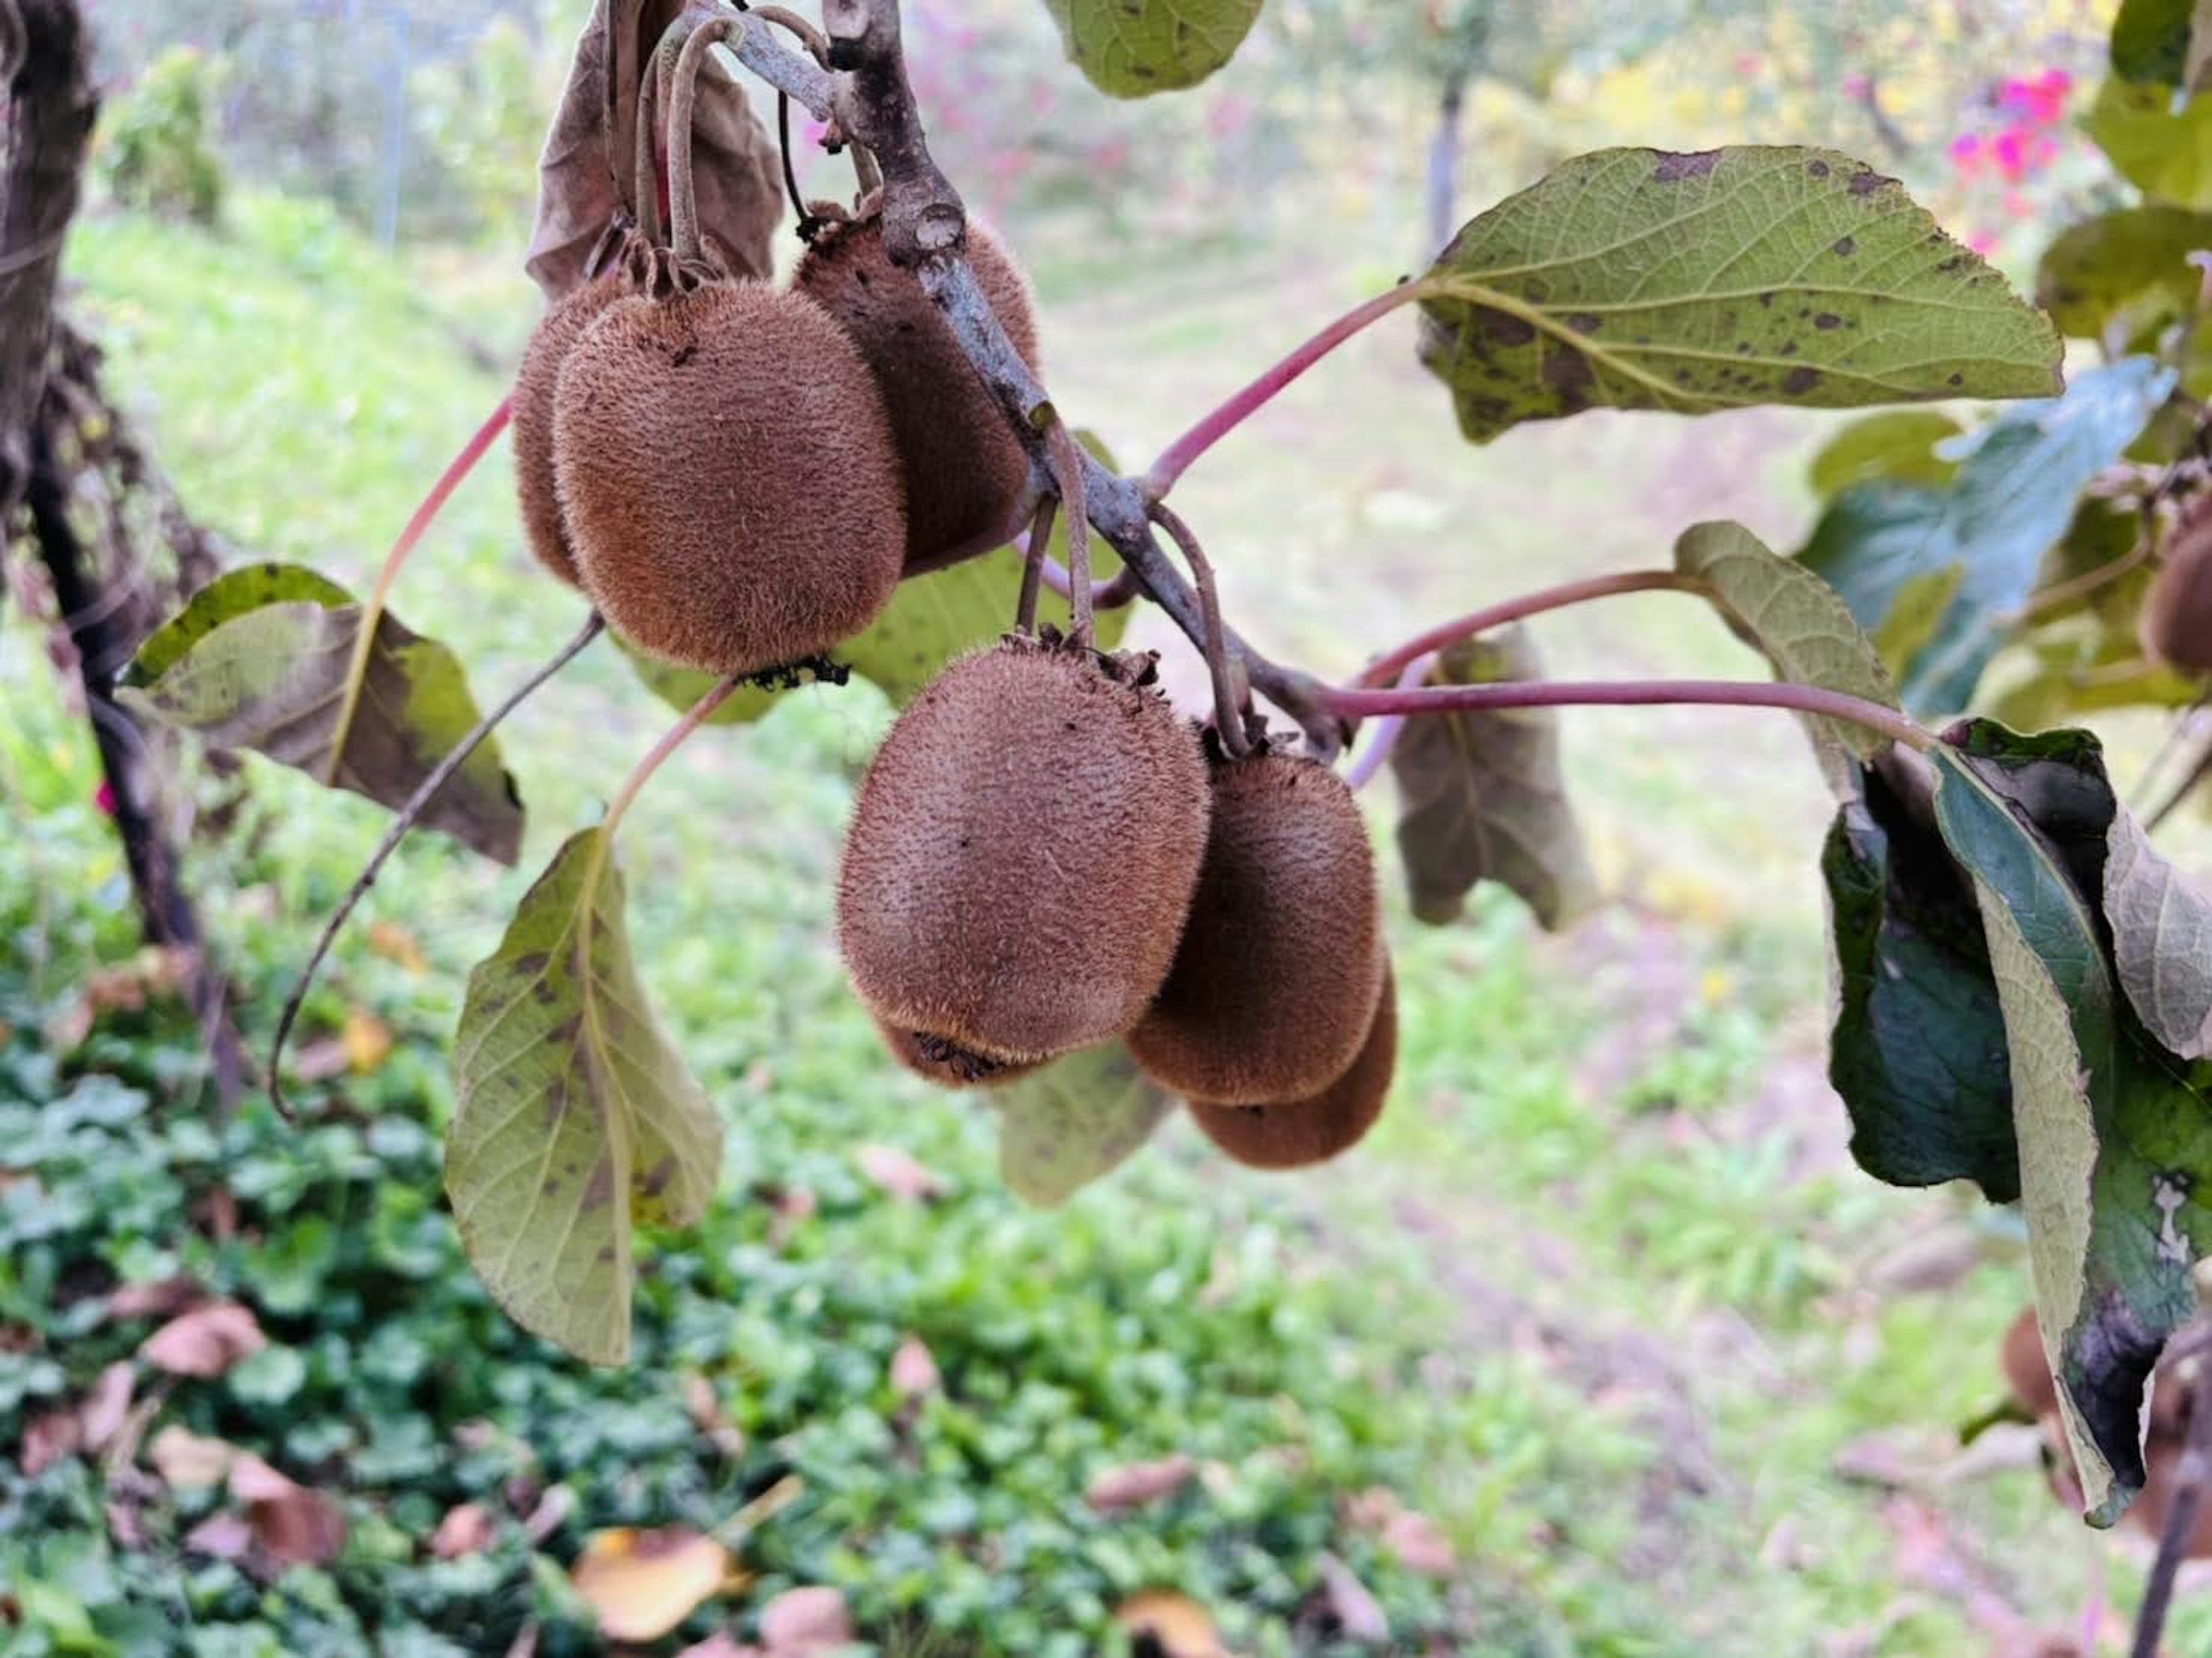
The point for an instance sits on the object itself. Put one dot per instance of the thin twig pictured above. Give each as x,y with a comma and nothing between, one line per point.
1067,476
1384,733
682,196
1033,562
405,821
2173,1544
1228,703
2199,774
1387,667
2176,735
816,42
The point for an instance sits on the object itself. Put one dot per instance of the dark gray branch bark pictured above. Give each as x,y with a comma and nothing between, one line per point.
925,230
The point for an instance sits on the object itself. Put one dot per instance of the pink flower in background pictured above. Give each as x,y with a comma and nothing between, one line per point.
1856,87
1230,116
2010,150
1967,155
2042,100
104,798
1984,242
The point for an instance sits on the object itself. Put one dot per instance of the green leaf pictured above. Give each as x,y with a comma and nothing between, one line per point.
1897,445
2011,500
2114,1133
2162,149
574,1119
1799,623
1064,1126
2074,670
1917,1051
258,658
2132,264
1482,796
933,618
2150,40
2161,927
681,687
1643,279
1133,48
1915,614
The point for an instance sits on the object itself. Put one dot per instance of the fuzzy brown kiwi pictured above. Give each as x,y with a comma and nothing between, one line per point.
2027,1372
1023,854
1275,983
965,469
2176,622
532,417
726,472
948,1064
1298,1133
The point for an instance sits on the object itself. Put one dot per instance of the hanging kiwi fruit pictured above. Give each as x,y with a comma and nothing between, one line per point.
544,525
2176,622
965,472
1022,856
1296,1134
724,467
1275,983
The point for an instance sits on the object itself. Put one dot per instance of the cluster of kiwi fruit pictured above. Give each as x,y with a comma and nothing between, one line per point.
738,475
2035,1395
1044,856
2176,620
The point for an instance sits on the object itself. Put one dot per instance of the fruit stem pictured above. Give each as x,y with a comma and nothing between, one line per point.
2190,1475
1033,560
683,201
417,803
1175,460
1387,667
1228,699
371,613
1115,591
1358,703
642,773
646,182
1067,475
1384,736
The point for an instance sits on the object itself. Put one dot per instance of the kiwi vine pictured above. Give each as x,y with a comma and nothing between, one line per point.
1046,855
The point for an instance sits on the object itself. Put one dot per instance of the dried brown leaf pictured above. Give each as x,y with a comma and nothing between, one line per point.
1346,1602
641,1584
1137,1485
1177,1624
467,1529
897,1174
913,1370
184,1458
106,1406
803,1622
206,1342
47,1438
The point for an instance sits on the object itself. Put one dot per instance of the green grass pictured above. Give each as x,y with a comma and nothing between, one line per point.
1594,1297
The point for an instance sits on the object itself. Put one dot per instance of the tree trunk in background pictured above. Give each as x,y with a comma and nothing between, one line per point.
1444,164
63,446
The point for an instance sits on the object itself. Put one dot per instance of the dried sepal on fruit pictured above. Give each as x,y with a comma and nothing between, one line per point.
965,472
947,1063
1023,854
2176,622
1275,983
1297,1134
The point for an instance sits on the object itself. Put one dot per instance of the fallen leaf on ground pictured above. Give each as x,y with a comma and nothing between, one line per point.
641,1584
367,1041
719,1645
896,1173
913,1371
47,1438
320,1061
1419,1544
1118,1491
205,1342
467,1529
184,1458
295,1525
164,1299
803,1622
1176,1624
704,1408
226,1536
1348,1605
106,1406
396,944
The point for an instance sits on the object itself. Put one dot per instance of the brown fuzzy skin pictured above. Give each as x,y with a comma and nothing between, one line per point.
965,471
2176,622
531,418
948,1065
1023,854
1304,1132
727,472
2026,1371
1275,983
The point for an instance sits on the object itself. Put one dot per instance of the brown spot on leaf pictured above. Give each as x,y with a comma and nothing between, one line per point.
1956,380
1674,164
1766,300
1799,380
1503,327
1827,319
658,1178
1583,323
1845,247
531,965
1817,169
599,1190
1568,371
1866,183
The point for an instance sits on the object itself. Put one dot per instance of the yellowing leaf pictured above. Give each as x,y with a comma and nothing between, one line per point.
367,1040
1074,1121
641,1584
1131,48
396,944
1178,1625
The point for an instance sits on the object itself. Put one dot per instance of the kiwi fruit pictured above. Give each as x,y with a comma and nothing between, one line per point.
965,471
2027,1372
727,477
947,1063
1022,855
1300,1133
2176,622
1275,983
532,417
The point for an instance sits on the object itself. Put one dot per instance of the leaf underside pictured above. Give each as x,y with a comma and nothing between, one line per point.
1646,279
1133,48
575,1120
1074,1121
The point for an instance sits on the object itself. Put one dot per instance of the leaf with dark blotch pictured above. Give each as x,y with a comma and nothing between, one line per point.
2011,500
1645,279
740,188
1133,48
2115,1134
1917,1052
947,613
1482,797
260,659
2132,264
1898,445
1799,624
1073,1122
2150,40
2161,927
574,1119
